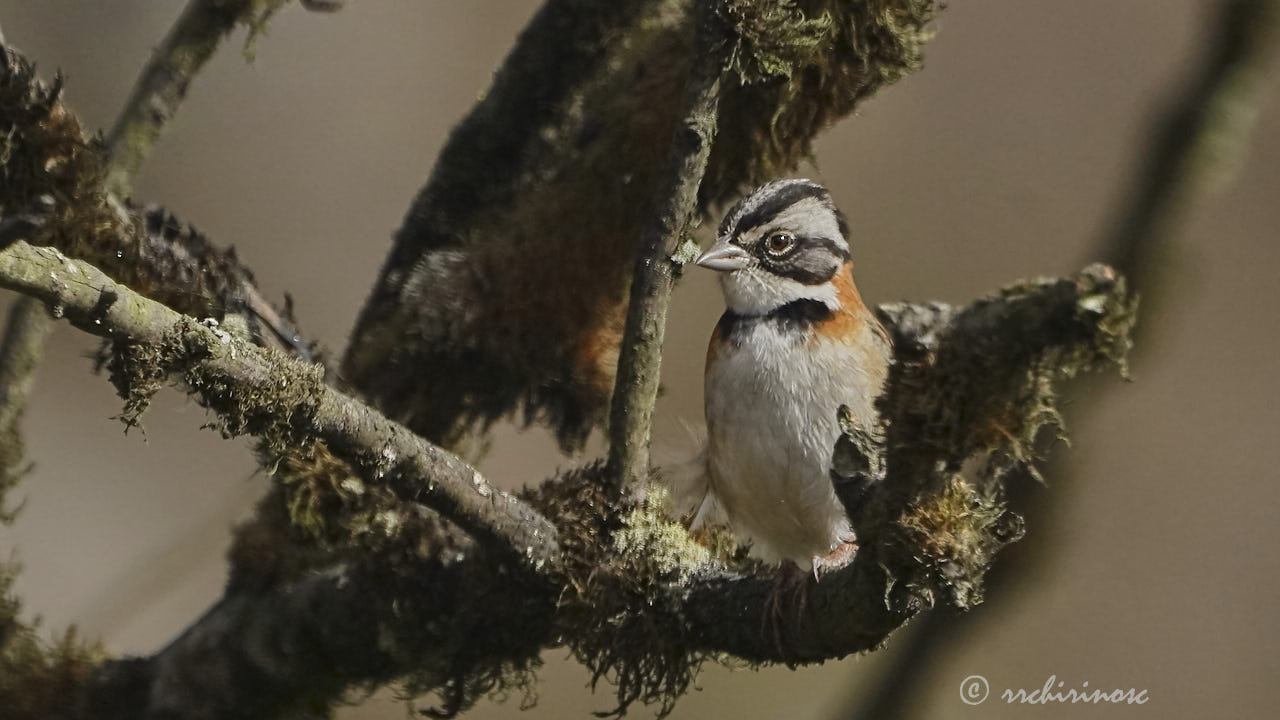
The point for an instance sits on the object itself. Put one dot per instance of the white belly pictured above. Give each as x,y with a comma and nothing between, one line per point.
771,407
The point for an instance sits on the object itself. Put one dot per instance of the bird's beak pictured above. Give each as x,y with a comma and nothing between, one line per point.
725,257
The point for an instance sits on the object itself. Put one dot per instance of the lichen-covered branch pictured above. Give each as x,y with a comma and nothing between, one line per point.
634,597
253,391
659,261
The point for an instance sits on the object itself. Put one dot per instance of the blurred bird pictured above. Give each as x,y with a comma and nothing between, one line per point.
795,343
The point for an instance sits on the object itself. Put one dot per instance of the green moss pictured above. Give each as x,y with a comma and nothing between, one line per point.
621,607
954,534
825,57
137,371
336,509
772,39
977,390
665,547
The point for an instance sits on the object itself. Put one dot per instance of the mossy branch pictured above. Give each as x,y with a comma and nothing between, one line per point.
264,393
968,383
630,592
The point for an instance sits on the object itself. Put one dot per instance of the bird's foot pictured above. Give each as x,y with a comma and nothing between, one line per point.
788,599
789,593
834,560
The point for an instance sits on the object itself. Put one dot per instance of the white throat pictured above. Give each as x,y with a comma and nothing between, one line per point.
754,291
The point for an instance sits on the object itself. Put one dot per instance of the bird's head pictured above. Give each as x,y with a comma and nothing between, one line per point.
783,242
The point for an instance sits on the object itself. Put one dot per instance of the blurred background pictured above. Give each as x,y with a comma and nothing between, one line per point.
1006,157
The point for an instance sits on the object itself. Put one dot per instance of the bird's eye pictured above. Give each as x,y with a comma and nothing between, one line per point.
780,243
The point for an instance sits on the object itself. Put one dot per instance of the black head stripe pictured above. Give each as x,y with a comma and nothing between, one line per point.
842,222
808,269
838,249
773,202
814,262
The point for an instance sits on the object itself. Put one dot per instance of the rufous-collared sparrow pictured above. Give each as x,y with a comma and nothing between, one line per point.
794,344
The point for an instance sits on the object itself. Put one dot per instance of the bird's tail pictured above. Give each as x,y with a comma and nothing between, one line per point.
683,468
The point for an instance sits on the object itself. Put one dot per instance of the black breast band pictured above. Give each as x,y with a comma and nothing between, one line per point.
797,316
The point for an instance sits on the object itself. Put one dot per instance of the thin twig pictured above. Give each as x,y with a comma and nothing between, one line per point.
155,99
239,380
163,84
658,263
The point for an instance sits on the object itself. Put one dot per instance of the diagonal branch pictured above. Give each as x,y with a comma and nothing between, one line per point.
254,391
